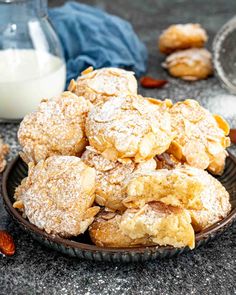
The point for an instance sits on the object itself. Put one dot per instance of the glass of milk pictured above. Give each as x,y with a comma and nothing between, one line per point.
32,66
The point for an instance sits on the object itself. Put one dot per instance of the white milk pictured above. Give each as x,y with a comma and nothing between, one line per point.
27,76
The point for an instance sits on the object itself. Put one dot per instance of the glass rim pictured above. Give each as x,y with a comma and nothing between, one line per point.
227,28
12,1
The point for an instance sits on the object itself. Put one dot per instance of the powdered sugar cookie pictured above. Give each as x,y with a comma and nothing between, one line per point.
110,177
186,187
58,194
57,127
153,224
191,64
200,138
99,85
177,37
129,128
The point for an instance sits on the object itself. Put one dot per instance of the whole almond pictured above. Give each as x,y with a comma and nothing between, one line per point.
7,246
232,135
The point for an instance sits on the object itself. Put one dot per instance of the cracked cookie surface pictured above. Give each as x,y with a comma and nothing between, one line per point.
58,195
199,138
130,127
99,85
182,36
57,127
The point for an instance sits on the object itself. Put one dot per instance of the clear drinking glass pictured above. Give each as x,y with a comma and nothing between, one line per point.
224,55
32,66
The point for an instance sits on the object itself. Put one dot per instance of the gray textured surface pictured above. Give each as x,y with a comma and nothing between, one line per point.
208,270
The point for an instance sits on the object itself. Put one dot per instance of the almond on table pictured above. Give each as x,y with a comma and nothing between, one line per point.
232,135
149,82
7,245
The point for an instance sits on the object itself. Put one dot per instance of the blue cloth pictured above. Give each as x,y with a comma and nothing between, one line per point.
92,37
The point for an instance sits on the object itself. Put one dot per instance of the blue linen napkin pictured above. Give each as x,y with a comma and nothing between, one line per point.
92,37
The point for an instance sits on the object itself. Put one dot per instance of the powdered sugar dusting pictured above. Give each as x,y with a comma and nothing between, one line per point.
57,194
56,127
110,177
99,85
129,127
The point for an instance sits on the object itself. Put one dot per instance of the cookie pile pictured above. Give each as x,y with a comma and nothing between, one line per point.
187,58
129,169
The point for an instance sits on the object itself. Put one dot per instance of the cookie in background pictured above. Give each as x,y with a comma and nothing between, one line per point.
182,36
188,59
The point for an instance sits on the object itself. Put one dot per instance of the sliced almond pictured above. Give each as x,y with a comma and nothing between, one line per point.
107,215
108,111
146,145
160,207
154,100
214,148
222,124
87,71
72,85
110,154
168,103
125,161
69,94
196,155
91,212
226,142
88,176
18,205
192,111
100,199
176,150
